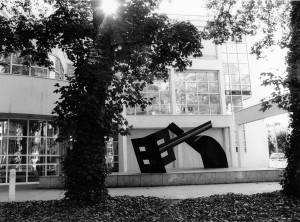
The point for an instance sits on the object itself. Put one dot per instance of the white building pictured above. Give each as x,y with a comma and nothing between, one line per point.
210,90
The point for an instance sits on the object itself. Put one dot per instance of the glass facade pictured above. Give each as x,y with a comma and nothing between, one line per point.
197,92
159,95
112,154
29,147
237,75
13,65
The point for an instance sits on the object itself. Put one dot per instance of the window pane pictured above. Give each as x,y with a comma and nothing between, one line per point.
237,100
39,72
20,70
192,109
165,109
3,171
130,111
213,87
52,131
238,87
190,77
53,169
180,98
201,76
17,146
152,88
212,76
179,77
228,100
203,99
214,99
225,69
17,127
235,79
153,98
179,87
33,160
232,58
153,110
245,79
233,69
242,48
191,87
243,58
215,109
52,147
244,69
227,79
165,98
3,147
3,127
37,128
192,99
36,146
180,109
204,109
202,87
139,111
231,48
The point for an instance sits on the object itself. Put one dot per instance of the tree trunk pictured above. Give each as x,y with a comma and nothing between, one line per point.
291,181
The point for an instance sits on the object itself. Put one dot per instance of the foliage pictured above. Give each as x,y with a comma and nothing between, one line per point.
114,57
291,181
282,138
234,18
230,207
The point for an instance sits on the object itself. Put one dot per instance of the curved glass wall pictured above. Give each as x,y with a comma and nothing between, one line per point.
29,147
13,65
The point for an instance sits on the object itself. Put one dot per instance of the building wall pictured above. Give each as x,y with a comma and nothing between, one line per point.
186,157
256,153
27,95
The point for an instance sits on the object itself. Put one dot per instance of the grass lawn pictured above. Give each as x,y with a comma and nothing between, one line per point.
231,207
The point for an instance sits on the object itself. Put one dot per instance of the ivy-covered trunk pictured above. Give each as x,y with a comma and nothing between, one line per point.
291,181
84,166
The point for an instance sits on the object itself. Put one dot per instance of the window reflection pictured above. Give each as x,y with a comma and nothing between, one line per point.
158,94
200,96
25,146
16,63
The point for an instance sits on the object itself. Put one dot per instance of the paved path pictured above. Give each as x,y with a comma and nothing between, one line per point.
31,192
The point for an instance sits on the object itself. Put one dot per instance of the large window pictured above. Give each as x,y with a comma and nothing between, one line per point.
237,75
29,147
158,94
13,65
197,92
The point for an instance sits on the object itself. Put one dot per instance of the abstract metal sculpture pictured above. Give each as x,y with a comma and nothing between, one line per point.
155,151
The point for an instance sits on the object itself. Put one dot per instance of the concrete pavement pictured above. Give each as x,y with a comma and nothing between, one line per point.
31,192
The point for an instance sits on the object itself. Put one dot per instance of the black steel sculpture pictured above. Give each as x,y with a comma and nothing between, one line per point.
155,151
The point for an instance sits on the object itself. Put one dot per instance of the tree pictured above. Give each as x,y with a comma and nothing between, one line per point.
236,18
282,140
114,57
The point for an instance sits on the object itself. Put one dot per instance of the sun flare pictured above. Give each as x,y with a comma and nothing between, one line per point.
109,6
